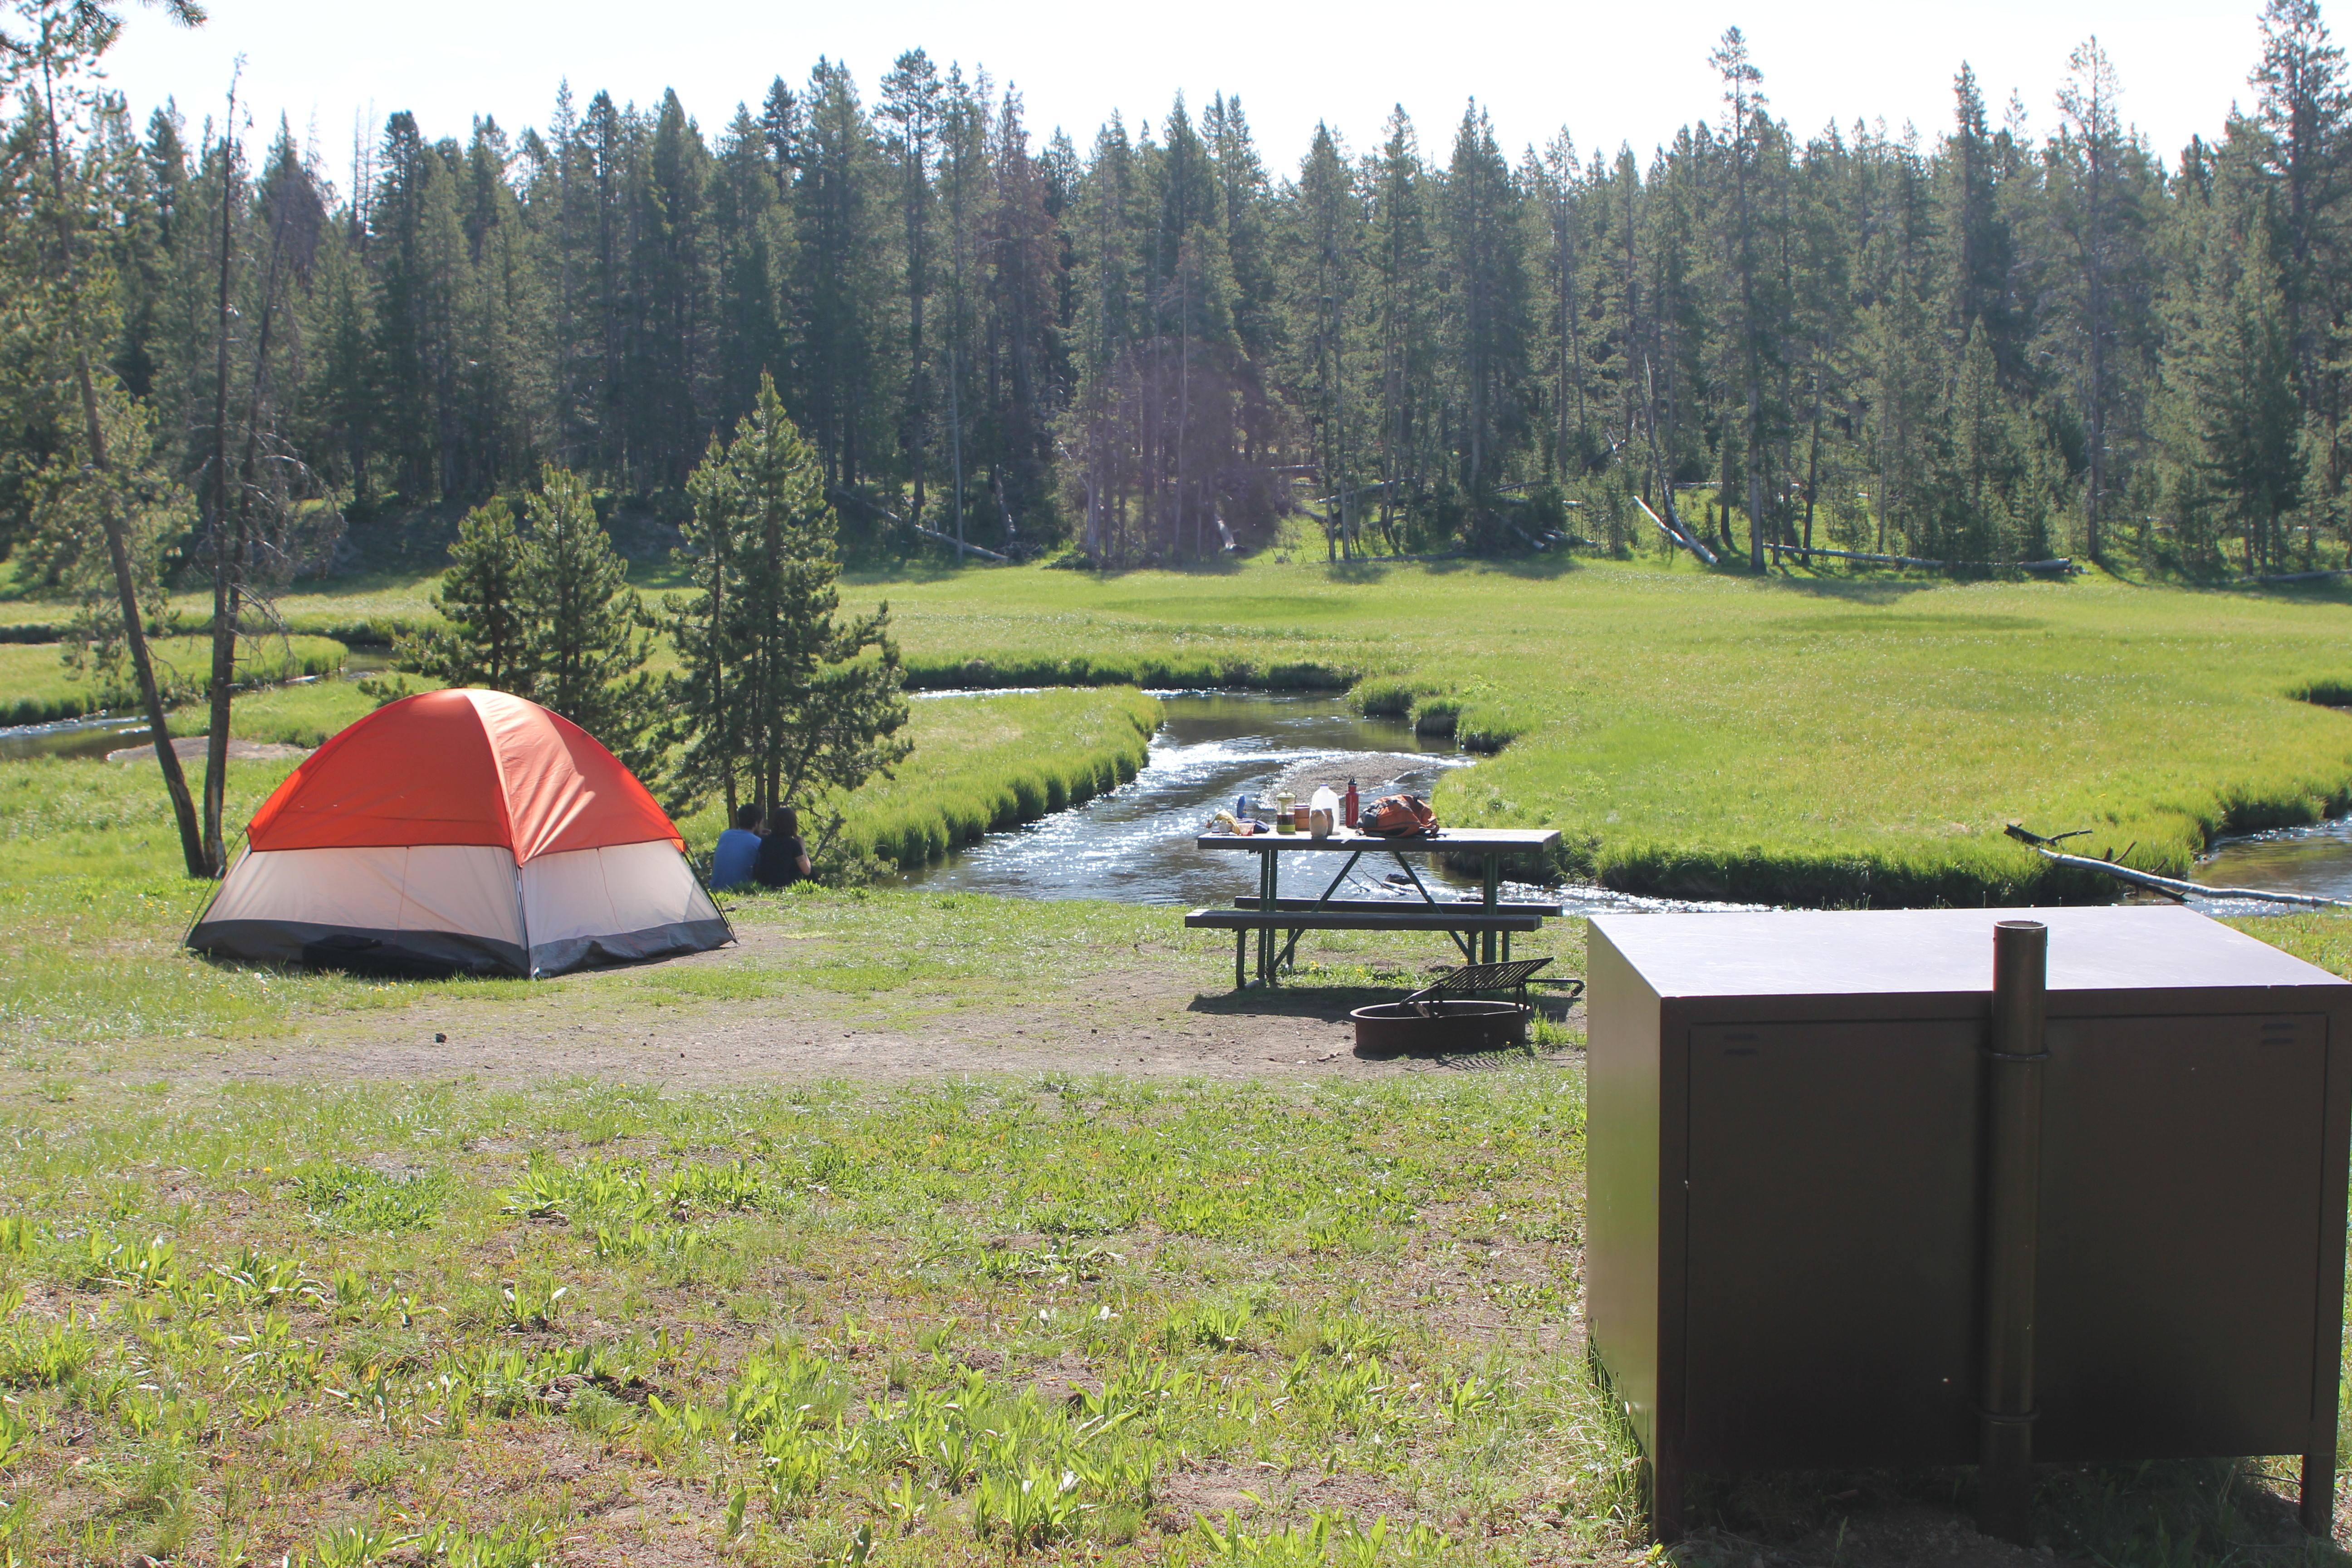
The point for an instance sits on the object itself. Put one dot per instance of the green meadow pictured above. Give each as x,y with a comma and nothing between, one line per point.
1792,739
1788,740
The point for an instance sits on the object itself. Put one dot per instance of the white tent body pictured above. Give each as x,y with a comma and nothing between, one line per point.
463,906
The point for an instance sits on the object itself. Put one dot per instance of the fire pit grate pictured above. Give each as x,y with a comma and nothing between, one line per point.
1442,1017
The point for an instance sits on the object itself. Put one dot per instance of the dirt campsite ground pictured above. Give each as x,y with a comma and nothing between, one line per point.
1142,1018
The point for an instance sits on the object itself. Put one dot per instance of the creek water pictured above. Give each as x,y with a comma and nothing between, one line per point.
2316,859
1135,845
93,737
78,738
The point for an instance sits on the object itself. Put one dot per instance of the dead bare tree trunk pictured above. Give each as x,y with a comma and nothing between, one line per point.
227,557
117,548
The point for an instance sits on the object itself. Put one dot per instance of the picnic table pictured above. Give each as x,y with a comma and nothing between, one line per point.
1475,927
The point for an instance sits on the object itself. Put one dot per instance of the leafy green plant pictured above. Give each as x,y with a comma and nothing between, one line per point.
351,1199
1323,1540
714,1188
42,1355
352,1546
1033,1508
535,1305
525,1544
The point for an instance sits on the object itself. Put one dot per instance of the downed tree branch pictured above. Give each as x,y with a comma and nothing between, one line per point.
2170,886
886,515
2290,577
960,544
1677,535
2059,563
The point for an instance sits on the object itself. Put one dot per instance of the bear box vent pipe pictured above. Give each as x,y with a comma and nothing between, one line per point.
2015,1052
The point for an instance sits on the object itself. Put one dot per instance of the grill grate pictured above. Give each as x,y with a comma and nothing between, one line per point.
1473,977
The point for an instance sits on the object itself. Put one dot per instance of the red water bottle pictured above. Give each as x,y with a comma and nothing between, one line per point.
1351,804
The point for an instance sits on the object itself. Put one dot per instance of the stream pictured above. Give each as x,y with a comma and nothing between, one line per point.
89,738
2315,859
1135,845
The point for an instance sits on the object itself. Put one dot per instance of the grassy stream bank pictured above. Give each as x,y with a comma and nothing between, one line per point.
1790,739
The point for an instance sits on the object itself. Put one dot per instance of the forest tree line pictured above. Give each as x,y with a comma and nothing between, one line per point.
1978,344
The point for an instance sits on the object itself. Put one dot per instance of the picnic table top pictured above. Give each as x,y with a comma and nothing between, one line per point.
1503,840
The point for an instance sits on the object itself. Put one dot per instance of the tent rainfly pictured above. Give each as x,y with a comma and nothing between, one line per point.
460,832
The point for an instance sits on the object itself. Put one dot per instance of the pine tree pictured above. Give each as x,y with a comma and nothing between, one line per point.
2251,418
776,691
1024,353
2098,213
1402,266
1489,326
590,636
912,101
667,321
544,610
843,282
1750,138
1324,248
485,637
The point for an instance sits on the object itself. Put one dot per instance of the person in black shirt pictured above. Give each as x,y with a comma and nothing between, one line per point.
783,859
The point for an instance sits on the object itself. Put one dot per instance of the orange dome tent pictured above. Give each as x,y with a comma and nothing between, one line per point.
463,831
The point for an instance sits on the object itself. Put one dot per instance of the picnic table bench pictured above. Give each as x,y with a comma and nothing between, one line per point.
1475,927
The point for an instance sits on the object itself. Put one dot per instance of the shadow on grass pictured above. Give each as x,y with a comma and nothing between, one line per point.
2167,1512
1855,590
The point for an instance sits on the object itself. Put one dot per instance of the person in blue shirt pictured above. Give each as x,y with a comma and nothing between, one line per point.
739,848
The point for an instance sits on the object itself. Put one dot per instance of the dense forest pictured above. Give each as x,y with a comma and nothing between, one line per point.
1971,344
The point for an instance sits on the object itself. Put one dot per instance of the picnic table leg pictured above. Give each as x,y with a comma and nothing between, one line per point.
1240,943
1488,890
1409,871
1269,882
1339,879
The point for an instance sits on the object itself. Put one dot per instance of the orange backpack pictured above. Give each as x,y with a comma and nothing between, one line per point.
1398,816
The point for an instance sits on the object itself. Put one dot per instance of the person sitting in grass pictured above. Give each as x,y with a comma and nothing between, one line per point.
739,848
783,859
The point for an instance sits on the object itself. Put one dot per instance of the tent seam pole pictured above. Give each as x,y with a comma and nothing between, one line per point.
213,897
522,917
716,907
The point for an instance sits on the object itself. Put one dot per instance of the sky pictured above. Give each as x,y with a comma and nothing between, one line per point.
1608,73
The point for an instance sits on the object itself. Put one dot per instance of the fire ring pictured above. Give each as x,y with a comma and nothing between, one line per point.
1405,1028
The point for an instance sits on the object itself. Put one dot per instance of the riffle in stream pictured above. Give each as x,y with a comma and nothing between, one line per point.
1135,845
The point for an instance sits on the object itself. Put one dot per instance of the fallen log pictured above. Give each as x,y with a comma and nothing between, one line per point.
1677,535
960,544
2170,886
2059,563
886,515
2290,577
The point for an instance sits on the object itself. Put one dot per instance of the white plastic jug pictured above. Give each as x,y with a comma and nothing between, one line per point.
1322,813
